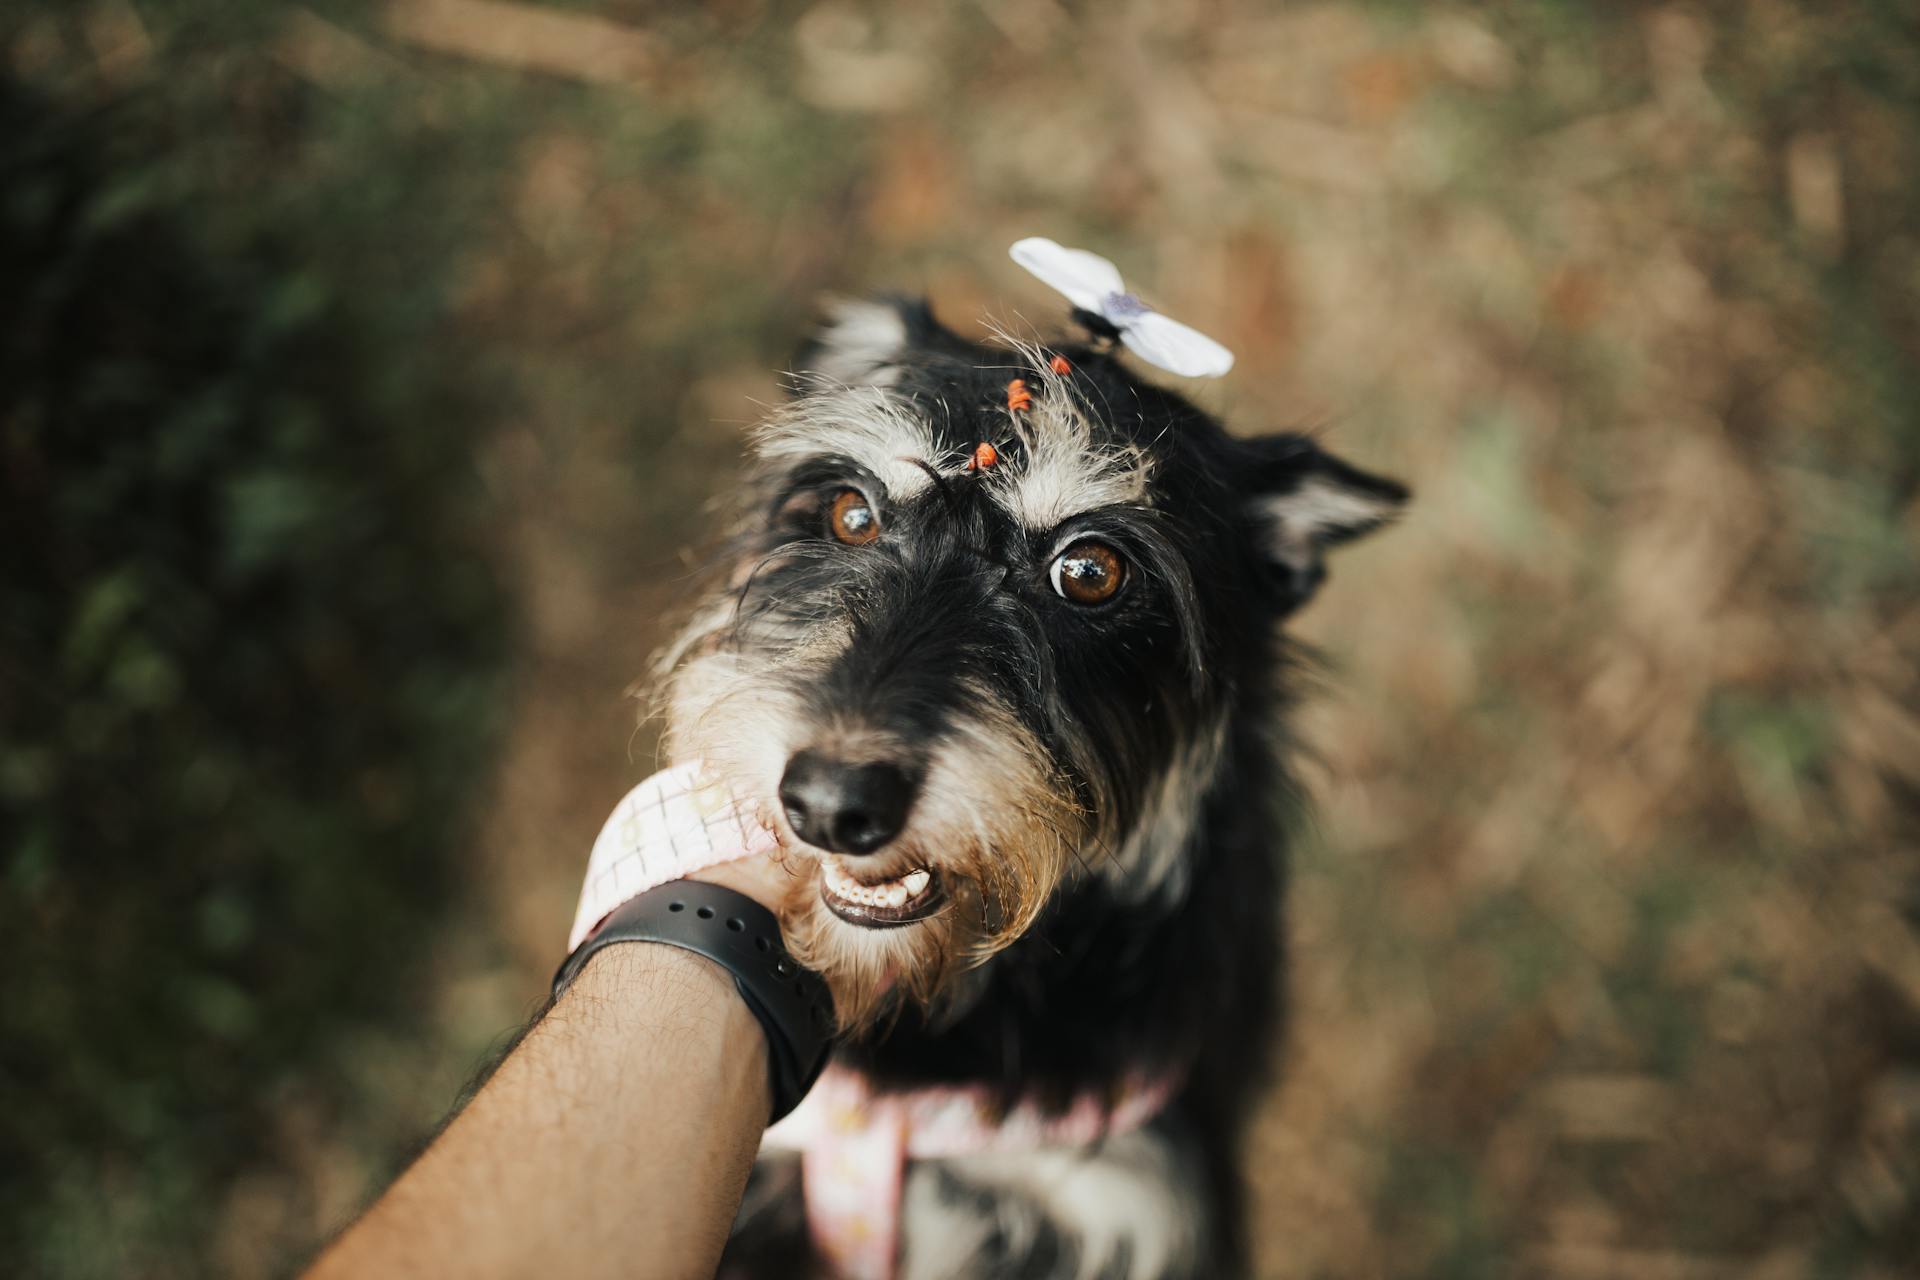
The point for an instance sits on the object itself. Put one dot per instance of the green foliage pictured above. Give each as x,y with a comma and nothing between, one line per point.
249,640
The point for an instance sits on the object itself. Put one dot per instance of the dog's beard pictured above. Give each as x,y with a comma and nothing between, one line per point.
993,820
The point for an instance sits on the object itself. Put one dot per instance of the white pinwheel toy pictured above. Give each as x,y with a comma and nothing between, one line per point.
1094,287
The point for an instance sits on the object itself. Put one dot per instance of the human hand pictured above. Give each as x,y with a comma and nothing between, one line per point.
764,877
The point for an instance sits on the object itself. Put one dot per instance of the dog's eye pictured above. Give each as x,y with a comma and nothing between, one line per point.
852,518
1088,573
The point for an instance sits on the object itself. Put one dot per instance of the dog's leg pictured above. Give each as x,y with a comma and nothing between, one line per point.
770,1233
1129,1208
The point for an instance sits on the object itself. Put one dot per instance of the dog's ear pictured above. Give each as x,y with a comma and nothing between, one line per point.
862,342
1304,500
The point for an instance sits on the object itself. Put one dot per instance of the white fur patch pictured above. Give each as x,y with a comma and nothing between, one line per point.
1065,478
940,1239
1065,474
865,424
1319,508
1152,860
727,712
860,343
1025,837
1130,1196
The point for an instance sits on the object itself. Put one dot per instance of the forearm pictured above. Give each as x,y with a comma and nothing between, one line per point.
614,1141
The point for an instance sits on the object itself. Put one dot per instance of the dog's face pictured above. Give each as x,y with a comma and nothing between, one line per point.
951,680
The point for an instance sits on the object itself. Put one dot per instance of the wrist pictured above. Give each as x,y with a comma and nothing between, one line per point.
741,939
622,982
638,997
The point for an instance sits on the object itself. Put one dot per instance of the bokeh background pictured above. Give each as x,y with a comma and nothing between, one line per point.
364,369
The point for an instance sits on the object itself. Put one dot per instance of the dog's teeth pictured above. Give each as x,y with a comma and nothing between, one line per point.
886,895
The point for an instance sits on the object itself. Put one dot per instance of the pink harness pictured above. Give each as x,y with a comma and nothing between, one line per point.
854,1145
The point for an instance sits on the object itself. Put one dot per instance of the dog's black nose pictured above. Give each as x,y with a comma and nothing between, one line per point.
845,808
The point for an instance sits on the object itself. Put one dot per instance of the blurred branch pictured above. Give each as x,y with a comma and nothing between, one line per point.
330,55
571,45
121,46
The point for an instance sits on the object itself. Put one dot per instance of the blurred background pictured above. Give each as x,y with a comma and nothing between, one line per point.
364,369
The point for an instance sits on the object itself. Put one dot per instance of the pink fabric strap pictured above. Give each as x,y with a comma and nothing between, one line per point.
854,1144
670,826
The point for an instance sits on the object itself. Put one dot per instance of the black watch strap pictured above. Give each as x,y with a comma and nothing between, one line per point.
792,1004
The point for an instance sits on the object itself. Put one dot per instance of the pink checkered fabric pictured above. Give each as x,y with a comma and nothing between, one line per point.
670,826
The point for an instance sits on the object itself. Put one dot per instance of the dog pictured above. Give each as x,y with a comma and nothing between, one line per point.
997,651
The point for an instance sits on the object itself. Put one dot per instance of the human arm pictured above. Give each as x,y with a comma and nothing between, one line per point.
614,1140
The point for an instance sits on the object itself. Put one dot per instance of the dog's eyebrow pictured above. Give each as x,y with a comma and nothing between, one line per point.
1063,482
940,484
1066,472
868,425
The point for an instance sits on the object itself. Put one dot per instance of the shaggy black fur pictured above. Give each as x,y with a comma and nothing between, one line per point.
1108,983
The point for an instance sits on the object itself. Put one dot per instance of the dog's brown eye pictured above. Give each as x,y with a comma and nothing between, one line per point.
1088,573
852,519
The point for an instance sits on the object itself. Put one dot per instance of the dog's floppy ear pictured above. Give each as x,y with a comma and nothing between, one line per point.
1304,500
862,342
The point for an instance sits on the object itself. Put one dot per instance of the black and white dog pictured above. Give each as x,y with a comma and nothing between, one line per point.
999,657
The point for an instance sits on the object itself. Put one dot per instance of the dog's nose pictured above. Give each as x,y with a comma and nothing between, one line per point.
845,808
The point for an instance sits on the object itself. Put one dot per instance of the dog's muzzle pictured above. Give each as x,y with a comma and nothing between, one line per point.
850,810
